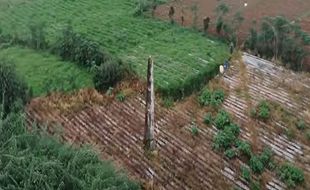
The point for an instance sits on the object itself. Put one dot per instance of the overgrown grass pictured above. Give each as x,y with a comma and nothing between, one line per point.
184,59
45,73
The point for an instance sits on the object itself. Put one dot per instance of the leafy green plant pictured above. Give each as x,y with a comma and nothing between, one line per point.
254,185
108,74
224,139
301,125
222,119
245,173
120,97
256,164
230,153
167,102
245,148
208,97
208,118
291,175
266,156
12,87
194,130
263,110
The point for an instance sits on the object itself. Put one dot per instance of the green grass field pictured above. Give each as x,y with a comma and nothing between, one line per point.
44,72
180,54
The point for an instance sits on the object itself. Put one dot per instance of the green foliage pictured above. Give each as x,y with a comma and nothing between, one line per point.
308,134
291,175
208,118
262,111
245,148
12,87
230,153
108,74
167,102
278,35
256,164
222,119
224,139
301,125
37,39
254,185
121,97
73,47
245,173
194,129
260,162
213,98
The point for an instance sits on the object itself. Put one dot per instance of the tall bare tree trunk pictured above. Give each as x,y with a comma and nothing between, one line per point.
149,141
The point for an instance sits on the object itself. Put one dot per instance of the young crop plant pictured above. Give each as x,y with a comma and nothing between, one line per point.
231,153
291,175
301,125
213,98
244,148
256,164
263,110
194,129
224,139
208,118
245,173
120,97
222,119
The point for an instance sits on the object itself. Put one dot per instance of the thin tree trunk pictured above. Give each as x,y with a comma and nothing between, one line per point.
149,141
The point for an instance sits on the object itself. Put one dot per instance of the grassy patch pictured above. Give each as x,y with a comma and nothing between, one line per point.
44,72
184,59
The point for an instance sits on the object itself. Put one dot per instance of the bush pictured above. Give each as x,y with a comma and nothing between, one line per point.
108,74
245,148
291,175
73,47
234,128
224,139
12,87
301,125
194,130
120,97
266,156
256,165
230,153
245,173
222,119
254,185
214,98
263,110
208,118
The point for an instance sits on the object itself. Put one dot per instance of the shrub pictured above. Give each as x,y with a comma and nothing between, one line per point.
234,128
254,185
214,98
266,156
38,36
245,173
230,153
76,48
263,110
167,102
301,125
256,164
12,87
120,97
108,74
291,175
194,130
308,135
224,139
245,148
208,118
222,119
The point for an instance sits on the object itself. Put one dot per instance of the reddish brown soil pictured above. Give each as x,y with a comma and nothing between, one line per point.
298,10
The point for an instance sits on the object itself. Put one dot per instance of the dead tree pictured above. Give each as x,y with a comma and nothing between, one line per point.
206,22
171,14
149,141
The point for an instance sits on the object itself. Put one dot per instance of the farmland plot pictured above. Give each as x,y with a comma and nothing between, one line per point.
184,161
180,54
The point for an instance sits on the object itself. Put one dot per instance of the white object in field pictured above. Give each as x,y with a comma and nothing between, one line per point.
221,69
245,4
